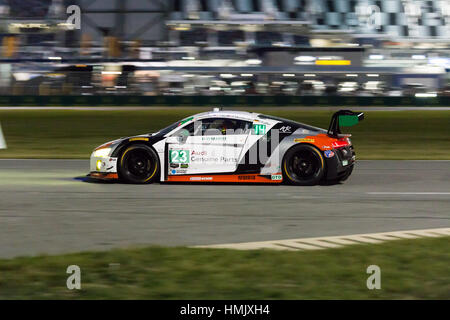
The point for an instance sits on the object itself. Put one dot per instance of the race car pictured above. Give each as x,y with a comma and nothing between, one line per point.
232,146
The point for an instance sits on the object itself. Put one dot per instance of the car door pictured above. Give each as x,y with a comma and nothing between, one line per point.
258,146
210,145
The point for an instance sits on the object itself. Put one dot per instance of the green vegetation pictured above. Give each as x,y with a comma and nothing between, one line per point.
74,133
410,269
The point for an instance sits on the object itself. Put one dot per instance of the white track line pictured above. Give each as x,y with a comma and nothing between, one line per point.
2,139
333,242
408,193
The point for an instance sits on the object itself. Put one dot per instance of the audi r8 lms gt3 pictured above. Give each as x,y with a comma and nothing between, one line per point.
232,146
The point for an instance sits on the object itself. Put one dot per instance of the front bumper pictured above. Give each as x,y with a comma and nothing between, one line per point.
103,164
103,176
103,167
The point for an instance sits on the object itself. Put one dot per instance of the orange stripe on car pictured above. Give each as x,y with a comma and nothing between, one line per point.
323,141
106,176
246,178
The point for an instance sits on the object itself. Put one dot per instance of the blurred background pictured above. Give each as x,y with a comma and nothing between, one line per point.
389,48
381,57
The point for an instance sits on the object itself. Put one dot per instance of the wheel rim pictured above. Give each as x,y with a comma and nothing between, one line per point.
304,165
138,164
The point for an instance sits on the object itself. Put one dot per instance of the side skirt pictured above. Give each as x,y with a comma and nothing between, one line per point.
243,178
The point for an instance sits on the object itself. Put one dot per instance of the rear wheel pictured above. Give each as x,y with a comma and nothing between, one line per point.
303,165
138,164
346,175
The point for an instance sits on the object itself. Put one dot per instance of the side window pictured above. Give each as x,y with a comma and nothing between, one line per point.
216,126
243,127
225,126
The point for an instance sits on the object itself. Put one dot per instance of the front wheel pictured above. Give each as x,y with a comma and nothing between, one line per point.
138,164
303,165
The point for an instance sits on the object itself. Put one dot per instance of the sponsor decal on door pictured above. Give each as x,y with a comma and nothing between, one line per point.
179,156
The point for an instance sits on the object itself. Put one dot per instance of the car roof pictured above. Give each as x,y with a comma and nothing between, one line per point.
229,114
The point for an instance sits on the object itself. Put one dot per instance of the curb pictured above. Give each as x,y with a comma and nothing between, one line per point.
333,242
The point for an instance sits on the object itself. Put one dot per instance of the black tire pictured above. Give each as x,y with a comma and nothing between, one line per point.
303,165
346,175
138,164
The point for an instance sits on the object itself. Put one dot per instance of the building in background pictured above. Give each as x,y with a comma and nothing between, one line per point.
227,47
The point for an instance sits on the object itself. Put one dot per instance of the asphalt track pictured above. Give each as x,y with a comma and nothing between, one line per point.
46,206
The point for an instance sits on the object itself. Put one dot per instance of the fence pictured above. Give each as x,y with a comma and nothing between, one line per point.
220,101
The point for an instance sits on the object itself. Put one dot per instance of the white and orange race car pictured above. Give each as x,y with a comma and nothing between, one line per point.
232,146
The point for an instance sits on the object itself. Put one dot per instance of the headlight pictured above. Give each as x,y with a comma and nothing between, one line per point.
99,165
102,153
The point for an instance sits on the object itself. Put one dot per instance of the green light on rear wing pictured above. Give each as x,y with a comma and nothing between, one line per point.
349,121
344,118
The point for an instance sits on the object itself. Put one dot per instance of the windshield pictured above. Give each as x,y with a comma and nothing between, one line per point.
168,129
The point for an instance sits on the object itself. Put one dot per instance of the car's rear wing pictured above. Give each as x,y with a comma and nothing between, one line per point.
343,118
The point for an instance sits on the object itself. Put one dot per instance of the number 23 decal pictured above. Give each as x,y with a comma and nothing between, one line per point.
179,156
